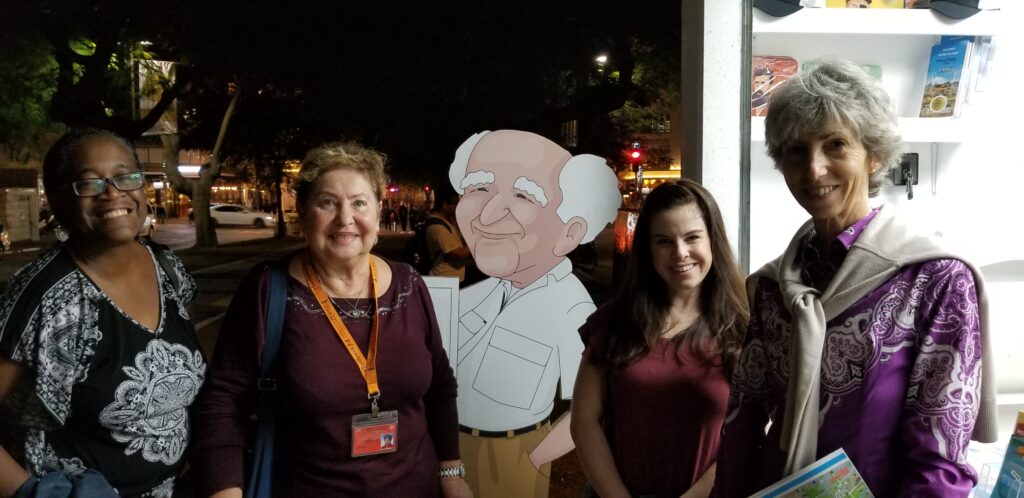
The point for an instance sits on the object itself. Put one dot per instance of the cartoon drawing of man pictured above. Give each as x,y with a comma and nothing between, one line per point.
527,203
761,86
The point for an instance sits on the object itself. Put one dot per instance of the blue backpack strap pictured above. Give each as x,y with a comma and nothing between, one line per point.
263,448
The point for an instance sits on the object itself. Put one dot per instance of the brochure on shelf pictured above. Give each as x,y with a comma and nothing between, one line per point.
1011,476
832,475
945,83
766,74
981,58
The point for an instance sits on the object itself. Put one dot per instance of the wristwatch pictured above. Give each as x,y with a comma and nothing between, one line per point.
457,471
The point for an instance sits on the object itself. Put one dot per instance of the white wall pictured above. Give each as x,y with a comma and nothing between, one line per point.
719,116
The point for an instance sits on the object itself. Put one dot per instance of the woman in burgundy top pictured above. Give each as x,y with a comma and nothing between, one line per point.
331,361
651,396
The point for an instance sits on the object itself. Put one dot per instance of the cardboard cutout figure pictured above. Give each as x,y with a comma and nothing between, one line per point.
526,204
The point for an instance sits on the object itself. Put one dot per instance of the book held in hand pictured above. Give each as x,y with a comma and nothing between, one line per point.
832,475
1010,483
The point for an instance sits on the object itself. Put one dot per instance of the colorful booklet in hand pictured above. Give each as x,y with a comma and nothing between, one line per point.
1011,475
833,475
766,74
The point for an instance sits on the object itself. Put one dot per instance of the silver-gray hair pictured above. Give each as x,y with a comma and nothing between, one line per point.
835,92
590,189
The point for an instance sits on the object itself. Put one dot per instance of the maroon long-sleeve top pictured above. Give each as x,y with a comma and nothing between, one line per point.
320,388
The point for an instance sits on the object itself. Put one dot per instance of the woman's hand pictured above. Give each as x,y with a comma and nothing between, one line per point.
228,493
702,488
455,487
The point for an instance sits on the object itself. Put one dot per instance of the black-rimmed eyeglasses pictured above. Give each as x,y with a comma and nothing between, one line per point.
96,186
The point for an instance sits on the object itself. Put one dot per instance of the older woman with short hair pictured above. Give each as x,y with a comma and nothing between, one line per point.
864,335
343,305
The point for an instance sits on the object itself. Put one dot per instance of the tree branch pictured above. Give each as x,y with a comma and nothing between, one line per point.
215,154
181,184
166,99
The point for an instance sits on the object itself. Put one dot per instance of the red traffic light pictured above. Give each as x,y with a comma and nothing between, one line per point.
635,153
426,188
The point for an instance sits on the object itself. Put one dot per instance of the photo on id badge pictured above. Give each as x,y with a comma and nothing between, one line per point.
372,435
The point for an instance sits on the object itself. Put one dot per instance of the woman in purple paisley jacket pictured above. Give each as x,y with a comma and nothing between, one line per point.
864,335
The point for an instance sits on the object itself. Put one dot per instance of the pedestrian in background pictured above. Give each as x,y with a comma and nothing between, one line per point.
651,393
448,252
99,362
403,215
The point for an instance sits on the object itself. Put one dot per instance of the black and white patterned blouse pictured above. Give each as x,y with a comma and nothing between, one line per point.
99,389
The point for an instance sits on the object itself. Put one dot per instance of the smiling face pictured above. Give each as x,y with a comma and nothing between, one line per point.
681,248
828,176
341,217
508,211
113,217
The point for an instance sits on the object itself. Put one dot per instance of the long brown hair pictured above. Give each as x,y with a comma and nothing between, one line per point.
641,305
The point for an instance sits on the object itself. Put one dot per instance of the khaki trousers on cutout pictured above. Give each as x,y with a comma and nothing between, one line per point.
499,467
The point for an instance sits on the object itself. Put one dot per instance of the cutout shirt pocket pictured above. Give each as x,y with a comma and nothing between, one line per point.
512,368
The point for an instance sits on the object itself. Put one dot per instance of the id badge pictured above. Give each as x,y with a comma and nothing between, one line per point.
374,435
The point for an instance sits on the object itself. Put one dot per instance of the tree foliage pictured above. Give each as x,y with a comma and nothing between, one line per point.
411,79
27,83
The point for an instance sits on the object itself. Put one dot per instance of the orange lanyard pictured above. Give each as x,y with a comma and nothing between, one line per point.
368,364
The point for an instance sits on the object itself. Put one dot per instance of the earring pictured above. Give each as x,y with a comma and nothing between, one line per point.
60,233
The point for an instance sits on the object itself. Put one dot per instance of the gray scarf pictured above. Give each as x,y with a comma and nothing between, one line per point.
886,245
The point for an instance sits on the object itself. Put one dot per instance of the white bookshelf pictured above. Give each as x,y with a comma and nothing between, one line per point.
877,22
899,41
970,170
913,130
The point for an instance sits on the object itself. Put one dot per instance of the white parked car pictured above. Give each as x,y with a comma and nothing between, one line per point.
233,214
148,225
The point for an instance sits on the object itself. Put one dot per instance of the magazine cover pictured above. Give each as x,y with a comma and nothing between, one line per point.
942,92
864,4
766,74
1011,476
832,475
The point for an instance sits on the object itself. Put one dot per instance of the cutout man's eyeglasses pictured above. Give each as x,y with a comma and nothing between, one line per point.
96,186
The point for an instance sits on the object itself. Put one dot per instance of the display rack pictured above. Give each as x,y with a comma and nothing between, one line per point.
899,41
969,169
877,22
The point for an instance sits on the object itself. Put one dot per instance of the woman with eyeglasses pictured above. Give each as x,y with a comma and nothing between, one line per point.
98,358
